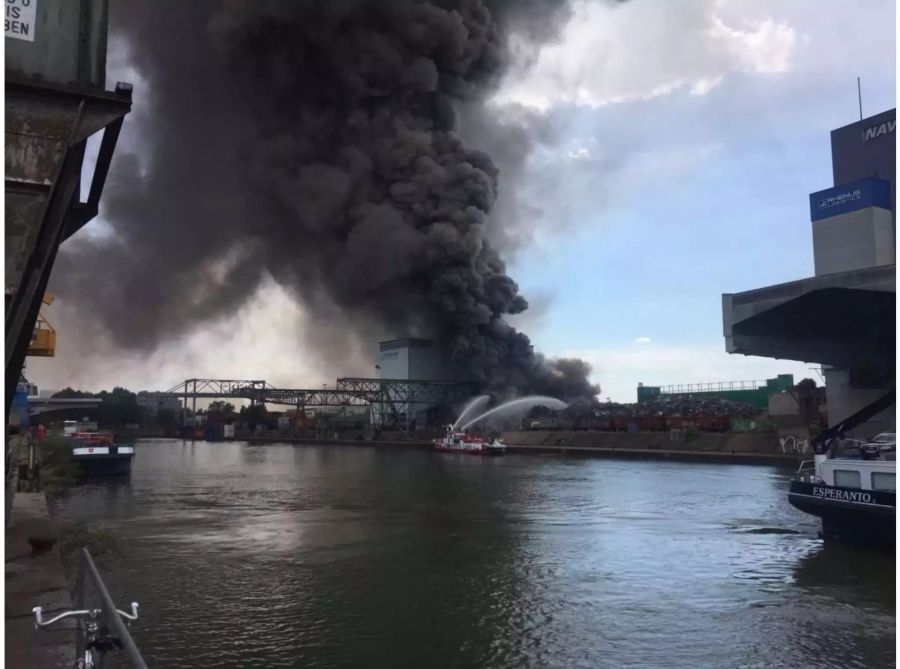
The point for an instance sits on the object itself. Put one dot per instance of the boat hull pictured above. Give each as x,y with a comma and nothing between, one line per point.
470,451
848,514
104,464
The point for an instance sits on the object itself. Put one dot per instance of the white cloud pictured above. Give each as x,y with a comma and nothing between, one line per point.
643,340
704,86
765,47
581,153
618,370
609,54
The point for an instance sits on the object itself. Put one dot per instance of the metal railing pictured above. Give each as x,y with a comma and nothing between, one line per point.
806,472
89,590
718,386
101,629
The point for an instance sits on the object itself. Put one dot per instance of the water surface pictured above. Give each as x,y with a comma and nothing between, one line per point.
316,556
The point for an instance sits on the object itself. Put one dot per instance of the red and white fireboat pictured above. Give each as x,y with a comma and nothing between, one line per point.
462,442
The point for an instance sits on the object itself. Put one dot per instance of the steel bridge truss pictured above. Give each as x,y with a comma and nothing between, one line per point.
393,402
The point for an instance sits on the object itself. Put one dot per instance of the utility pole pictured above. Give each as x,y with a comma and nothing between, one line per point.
859,94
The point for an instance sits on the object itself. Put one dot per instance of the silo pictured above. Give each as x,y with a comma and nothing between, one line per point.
56,98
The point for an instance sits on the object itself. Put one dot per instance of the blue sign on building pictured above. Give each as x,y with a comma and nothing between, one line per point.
870,192
18,412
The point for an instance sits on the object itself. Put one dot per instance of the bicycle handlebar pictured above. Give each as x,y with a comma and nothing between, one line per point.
134,612
92,613
39,621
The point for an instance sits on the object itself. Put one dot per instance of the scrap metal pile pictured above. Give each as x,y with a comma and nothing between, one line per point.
683,406
659,406
661,413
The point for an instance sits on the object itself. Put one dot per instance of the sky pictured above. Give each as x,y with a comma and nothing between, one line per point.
689,137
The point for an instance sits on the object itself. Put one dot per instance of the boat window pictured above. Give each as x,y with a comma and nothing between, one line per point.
883,481
846,478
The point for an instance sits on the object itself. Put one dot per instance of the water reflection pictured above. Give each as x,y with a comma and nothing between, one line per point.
280,555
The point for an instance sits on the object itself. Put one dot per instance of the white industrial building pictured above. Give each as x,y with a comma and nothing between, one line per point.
412,360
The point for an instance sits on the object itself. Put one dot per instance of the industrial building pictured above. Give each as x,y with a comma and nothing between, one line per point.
414,360
754,393
155,401
843,317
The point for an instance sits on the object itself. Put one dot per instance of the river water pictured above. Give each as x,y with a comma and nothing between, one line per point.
315,556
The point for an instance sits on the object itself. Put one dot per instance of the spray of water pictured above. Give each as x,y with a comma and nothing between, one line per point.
475,404
523,403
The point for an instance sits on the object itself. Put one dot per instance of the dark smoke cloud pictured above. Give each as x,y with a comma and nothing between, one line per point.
317,142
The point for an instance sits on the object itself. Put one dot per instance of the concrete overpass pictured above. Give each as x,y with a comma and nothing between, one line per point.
42,405
843,317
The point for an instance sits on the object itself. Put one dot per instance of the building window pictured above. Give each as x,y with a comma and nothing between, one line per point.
846,478
883,481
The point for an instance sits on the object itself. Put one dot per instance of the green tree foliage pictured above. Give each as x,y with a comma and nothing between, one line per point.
72,394
254,414
59,470
221,406
119,408
165,417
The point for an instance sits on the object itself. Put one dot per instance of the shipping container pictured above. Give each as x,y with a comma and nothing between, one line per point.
653,423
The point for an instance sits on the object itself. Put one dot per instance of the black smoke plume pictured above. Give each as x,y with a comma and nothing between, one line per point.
317,142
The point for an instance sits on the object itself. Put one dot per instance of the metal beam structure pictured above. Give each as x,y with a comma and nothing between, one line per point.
396,401
393,401
47,128
215,389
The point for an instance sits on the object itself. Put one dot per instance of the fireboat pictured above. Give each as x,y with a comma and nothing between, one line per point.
455,441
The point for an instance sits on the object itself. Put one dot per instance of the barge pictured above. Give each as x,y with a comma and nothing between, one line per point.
97,455
851,485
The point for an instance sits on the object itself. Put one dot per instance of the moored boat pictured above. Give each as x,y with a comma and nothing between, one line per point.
471,444
851,485
98,455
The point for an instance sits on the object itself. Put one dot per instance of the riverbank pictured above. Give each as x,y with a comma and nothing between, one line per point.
34,580
746,448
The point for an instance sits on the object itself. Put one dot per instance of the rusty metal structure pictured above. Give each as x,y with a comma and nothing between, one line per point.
55,101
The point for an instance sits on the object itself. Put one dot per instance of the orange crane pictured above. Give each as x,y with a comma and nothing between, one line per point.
43,337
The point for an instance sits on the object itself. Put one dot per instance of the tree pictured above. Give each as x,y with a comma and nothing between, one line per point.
221,406
165,416
70,394
119,407
806,385
254,414
808,402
